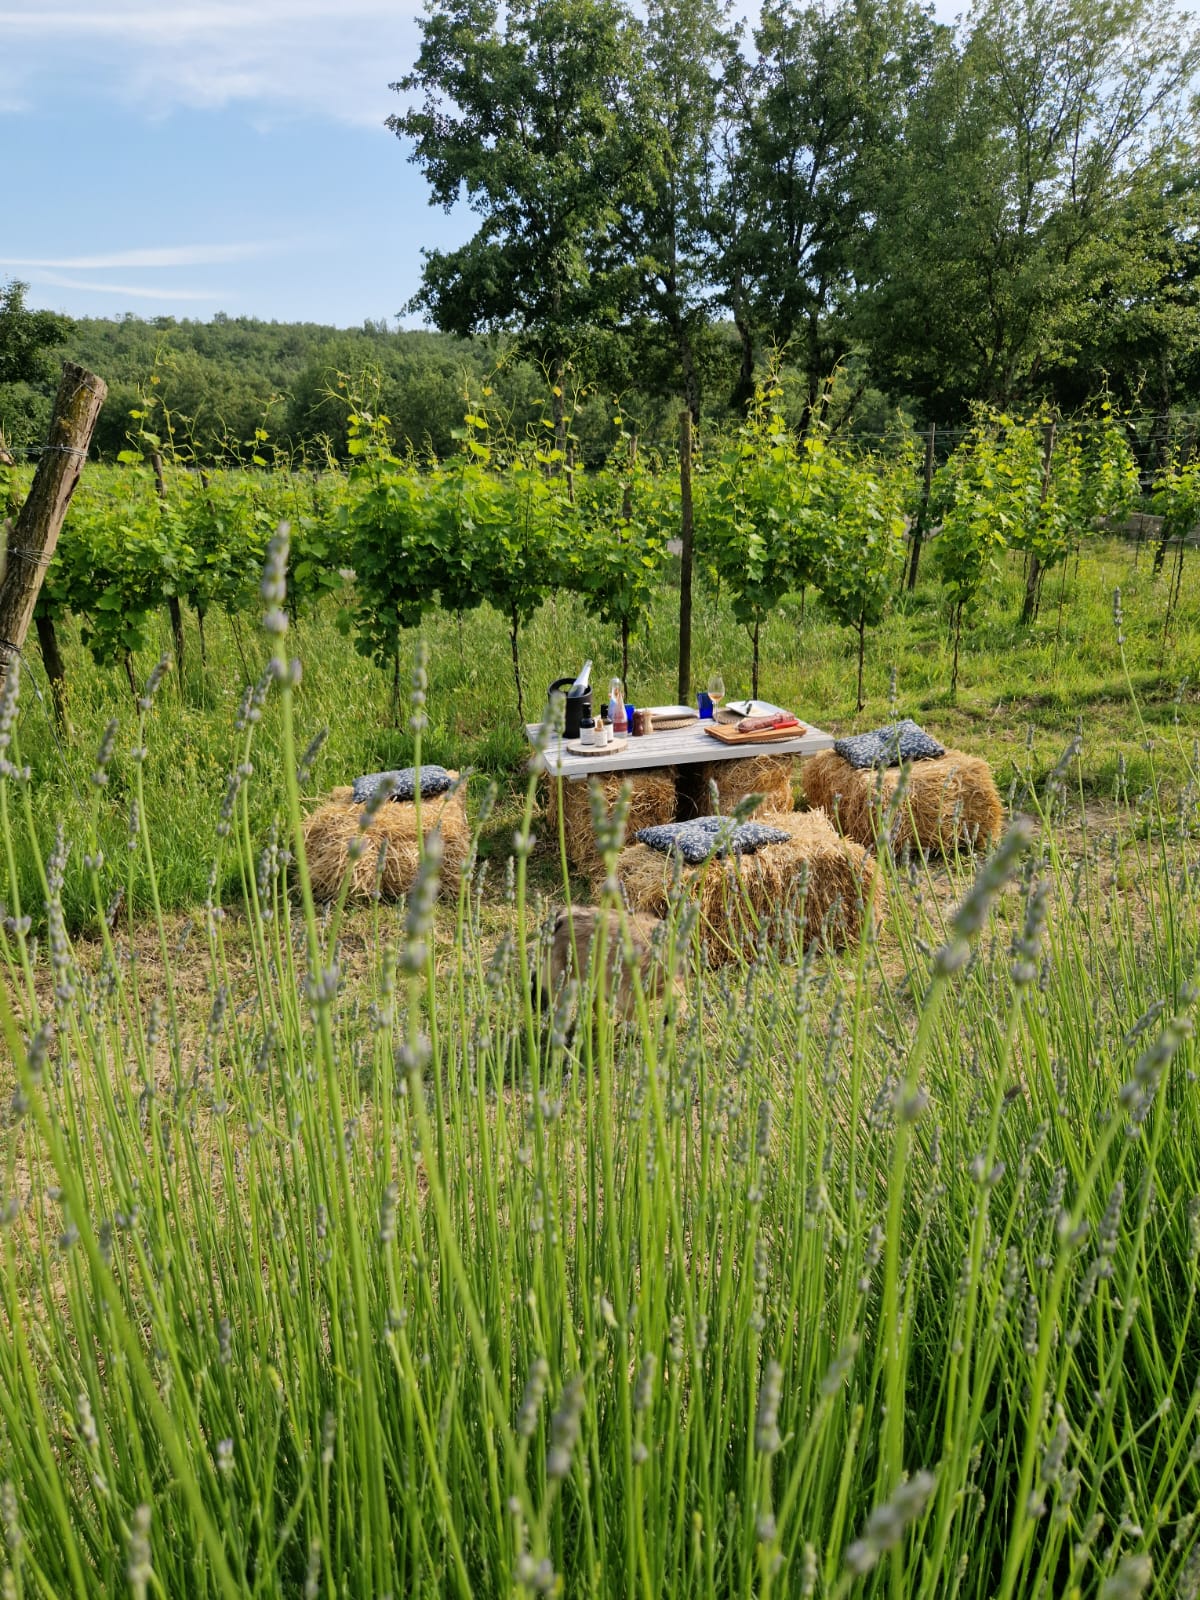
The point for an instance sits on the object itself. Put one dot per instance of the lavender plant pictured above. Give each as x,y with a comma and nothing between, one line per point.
339,1272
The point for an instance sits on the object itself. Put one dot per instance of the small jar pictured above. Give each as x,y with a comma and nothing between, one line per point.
643,723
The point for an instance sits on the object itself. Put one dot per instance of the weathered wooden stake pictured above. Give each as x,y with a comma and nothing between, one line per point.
1033,572
173,607
919,526
685,560
53,662
626,519
35,535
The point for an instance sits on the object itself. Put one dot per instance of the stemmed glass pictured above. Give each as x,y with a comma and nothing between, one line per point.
716,691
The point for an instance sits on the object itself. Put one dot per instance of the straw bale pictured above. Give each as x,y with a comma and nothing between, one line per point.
770,776
950,801
334,826
744,900
652,800
577,931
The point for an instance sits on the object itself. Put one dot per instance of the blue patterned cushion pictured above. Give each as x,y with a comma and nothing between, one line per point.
889,746
434,780
708,836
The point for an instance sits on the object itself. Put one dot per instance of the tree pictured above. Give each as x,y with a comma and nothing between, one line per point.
998,217
1141,323
26,337
814,120
660,255
525,109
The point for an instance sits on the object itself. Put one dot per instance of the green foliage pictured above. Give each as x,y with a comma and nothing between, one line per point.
764,517
861,554
1106,486
26,340
972,535
112,568
817,114
624,515
520,108
1177,499
1012,224
27,337
391,541
861,548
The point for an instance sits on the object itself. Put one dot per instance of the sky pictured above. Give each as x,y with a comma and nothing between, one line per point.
184,157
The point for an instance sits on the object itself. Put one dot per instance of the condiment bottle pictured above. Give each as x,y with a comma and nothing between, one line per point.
620,722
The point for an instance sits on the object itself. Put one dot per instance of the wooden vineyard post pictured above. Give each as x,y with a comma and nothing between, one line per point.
626,519
35,533
1034,570
53,662
923,512
173,607
685,560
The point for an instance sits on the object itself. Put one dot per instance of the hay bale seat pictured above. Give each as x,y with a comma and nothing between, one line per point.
334,825
745,899
770,776
951,800
652,801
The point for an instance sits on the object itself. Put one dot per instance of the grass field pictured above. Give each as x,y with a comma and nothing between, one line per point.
331,1269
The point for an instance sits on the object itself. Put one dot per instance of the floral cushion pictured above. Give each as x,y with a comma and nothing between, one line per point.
434,781
889,746
709,836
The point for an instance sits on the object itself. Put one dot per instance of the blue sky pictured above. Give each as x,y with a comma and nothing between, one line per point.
182,157
196,156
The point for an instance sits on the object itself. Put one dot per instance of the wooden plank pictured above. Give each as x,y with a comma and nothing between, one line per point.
673,748
728,733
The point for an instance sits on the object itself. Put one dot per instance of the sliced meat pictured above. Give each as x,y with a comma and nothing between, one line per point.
779,719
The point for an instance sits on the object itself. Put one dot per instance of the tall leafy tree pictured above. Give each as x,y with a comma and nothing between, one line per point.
1140,325
814,120
25,339
524,108
999,214
661,253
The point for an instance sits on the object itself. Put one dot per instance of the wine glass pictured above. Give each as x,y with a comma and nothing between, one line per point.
716,691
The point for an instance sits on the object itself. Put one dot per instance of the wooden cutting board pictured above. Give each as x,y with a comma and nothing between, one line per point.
612,749
727,733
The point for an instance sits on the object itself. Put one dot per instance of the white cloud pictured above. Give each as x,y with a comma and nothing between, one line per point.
199,255
131,291
330,56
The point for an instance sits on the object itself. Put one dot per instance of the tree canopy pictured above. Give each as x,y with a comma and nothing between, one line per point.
961,213
26,338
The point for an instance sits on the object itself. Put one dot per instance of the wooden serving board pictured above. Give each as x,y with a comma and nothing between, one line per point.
578,749
727,733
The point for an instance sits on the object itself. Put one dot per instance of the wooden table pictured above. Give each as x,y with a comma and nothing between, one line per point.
676,747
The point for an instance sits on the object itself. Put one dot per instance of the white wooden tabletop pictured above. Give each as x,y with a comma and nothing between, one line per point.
675,747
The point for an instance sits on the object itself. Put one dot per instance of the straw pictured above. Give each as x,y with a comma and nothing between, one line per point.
335,825
746,900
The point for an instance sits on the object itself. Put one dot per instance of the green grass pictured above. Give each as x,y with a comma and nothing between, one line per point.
331,1269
